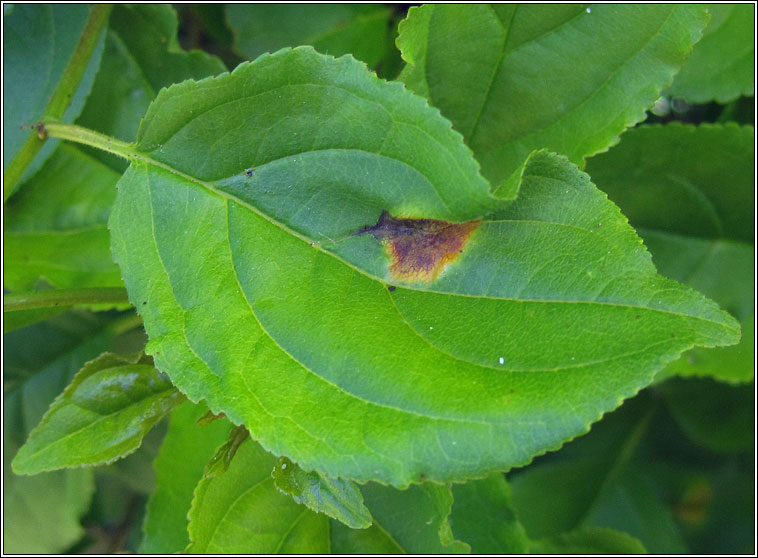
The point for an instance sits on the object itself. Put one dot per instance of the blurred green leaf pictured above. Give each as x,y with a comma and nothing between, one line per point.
38,40
632,504
689,191
483,517
135,472
592,482
336,29
184,453
104,413
141,56
722,65
518,77
55,227
41,513
709,494
417,518
337,498
22,318
589,540
718,416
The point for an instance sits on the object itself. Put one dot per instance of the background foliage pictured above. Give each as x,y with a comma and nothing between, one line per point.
669,471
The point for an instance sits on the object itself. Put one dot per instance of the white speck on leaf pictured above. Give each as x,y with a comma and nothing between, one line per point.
589,10
502,360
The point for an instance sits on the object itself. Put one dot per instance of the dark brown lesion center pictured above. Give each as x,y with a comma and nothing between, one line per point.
419,249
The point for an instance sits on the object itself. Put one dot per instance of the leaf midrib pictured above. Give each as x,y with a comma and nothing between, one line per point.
210,187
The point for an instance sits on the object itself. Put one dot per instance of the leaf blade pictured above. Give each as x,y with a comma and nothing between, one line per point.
447,426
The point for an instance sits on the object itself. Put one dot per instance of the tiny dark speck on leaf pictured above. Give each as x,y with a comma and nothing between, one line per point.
637,317
249,172
391,288
144,302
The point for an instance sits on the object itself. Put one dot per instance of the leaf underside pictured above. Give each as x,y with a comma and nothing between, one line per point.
259,297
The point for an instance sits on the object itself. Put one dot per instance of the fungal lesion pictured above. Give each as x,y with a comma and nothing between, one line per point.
419,249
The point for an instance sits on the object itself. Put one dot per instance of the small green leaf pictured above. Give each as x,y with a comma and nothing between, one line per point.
358,29
185,450
38,42
219,463
568,77
41,513
315,310
111,403
589,540
722,64
55,227
483,517
689,191
336,498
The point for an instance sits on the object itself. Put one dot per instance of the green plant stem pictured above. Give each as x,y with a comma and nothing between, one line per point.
52,298
89,137
61,97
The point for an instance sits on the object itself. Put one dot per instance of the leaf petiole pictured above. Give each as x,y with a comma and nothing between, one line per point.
72,132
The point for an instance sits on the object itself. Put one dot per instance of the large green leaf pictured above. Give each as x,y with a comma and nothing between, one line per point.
142,55
722,64
38,40
568,77
41,513
185,450
111,403
689,191
55,227
358,29
232,513
262,273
